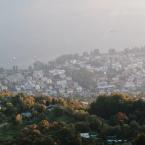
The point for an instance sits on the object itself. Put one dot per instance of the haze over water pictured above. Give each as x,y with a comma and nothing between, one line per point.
43,29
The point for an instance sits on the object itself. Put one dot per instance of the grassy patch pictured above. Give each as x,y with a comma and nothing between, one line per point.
10,132
52,116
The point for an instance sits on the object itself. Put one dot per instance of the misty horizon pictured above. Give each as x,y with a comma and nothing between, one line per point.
43,30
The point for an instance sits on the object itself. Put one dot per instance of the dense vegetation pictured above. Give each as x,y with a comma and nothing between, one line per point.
125,116
84,77
33,120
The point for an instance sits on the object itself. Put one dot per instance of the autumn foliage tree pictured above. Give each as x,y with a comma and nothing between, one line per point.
18,118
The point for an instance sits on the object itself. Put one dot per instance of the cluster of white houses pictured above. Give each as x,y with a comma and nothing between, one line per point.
114,72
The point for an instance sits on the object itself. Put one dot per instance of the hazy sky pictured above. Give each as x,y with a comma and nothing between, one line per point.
44,29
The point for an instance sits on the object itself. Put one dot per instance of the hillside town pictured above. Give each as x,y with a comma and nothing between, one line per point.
86,74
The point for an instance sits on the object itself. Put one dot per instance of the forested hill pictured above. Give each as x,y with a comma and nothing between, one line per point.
29,120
